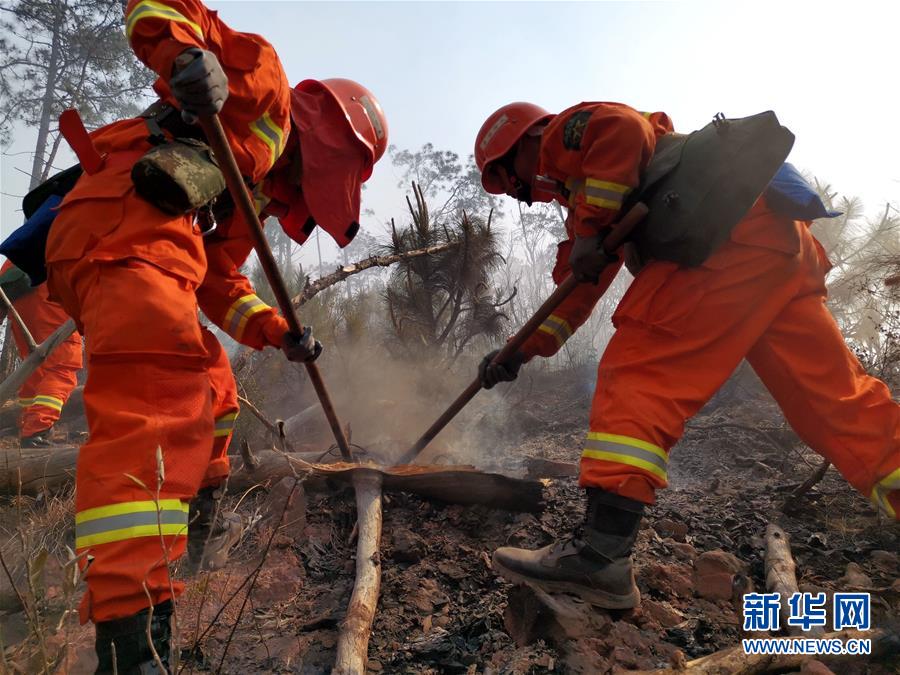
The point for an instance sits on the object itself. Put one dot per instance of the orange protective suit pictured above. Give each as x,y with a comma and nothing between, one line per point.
130,275
44,394
680,332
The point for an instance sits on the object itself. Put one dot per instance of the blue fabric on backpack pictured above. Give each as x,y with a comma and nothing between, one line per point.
790,195
27,245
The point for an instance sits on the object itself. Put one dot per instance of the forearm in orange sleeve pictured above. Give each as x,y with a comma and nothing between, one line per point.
571,314
159,30
229,300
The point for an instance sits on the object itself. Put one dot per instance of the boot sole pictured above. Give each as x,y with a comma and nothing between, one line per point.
602,599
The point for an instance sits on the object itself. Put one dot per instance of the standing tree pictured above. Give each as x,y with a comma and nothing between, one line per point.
441,178
442,302
59,54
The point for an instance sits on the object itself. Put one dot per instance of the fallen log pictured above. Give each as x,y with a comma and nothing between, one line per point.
781,573
451,484
356,629
885,644
270,426
50,469
539,467
10,386
35,470
293,426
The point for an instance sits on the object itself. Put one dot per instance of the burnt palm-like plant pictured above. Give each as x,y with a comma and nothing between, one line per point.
439,304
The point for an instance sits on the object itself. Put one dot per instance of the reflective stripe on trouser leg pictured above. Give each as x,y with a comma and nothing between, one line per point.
52,402
616,455
886,491
130,520
225,425
39,413
219,464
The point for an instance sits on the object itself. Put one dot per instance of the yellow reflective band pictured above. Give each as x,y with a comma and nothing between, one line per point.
240,312
44,400
646,115
130,520
604,194
558,327
224,425
882,489
134,532
129,507
249,312
628,440
626,450
270,134
606,185
625,459
147,9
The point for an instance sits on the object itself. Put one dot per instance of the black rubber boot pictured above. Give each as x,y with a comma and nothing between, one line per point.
594,563
39,440
132,652
210,537
200,518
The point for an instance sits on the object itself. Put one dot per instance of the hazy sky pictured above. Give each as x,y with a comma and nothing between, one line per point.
829,70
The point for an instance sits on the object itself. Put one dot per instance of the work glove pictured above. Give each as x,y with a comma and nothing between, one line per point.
199,84
301,349
587,258
490,373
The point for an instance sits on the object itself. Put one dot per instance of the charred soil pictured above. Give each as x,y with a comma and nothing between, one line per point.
443,610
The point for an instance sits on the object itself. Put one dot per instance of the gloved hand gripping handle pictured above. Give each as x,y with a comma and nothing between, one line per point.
611,243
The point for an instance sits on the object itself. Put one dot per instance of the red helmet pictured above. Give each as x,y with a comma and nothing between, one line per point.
342,132
362,110
500,132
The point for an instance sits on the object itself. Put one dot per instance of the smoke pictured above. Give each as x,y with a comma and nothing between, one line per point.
387,403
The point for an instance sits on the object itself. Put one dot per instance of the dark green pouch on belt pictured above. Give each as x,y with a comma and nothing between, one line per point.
178,177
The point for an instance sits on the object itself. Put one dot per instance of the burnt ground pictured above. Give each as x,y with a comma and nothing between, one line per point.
443,610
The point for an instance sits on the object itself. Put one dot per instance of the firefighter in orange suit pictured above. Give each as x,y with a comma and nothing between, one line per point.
46,391
680,332
133,276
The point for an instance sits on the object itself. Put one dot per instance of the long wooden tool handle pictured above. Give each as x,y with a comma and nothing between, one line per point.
14,314
215,136
613,241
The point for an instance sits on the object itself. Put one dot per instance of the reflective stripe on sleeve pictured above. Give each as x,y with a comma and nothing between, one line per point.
271,134
239,314
558,327
604,194
150,9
